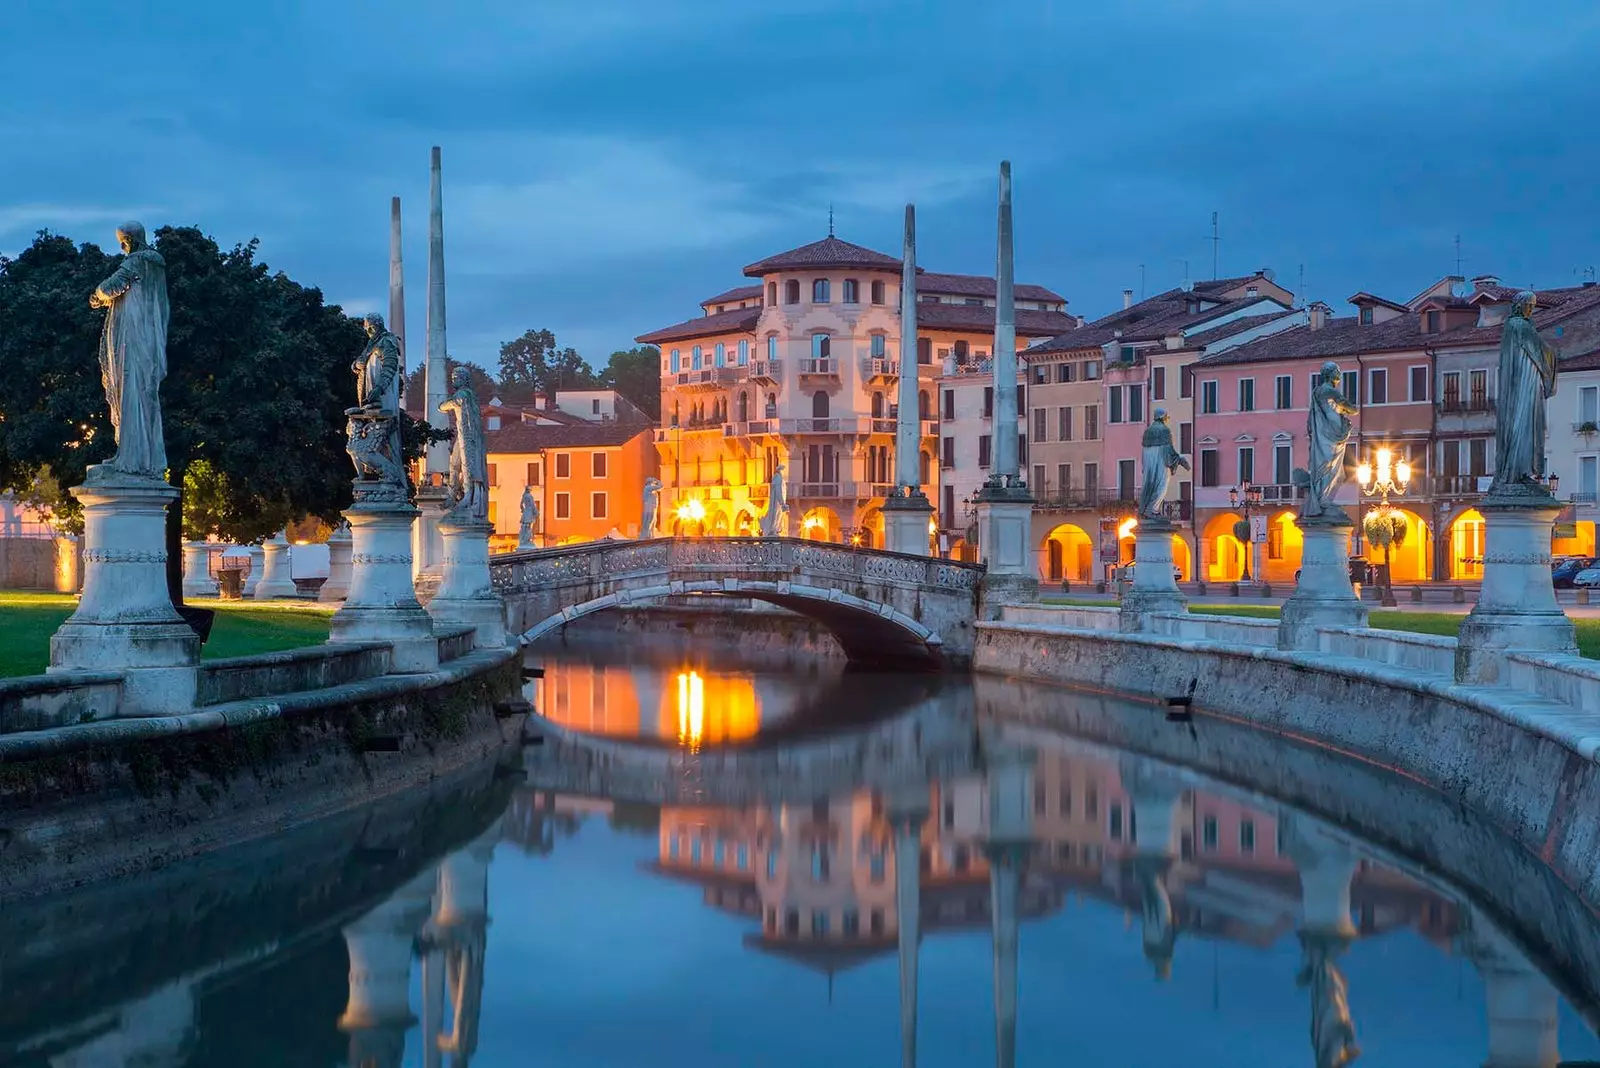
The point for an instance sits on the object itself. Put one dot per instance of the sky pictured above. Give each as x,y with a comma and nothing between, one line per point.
610,163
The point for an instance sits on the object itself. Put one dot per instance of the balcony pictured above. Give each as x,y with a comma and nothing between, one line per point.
750,428
1461,485
1081,498
826,425
1454,404
883,426
876,367
1283,492
819,367
766,371
705,379
835,490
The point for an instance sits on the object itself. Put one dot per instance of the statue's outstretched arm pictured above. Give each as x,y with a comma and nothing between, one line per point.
120,282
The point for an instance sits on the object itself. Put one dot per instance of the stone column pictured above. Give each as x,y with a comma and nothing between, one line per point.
906,514
1155,588
1522,1005
1005,507
380,946
431,494
1326,865
275,581
1009,774
258,559
465,593
1517,607
1324,596
125,620
382,604
397,283
197,580
337,588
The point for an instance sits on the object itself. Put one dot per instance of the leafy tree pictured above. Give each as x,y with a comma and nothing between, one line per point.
532,364
636,374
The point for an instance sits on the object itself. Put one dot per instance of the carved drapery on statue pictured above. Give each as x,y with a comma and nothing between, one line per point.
372,428
133,356
1327,436
469,463
1527,380
775,521
1160,460
528,519
652,499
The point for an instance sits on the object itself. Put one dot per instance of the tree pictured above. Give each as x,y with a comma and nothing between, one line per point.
636,374
532,365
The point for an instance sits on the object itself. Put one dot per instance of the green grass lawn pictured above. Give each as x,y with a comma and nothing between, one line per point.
28,619
1444,623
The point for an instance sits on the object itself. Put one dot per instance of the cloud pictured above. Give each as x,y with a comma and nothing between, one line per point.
24,220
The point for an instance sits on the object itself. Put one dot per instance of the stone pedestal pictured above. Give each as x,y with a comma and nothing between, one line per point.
275,581
465,593
197,580
1155,587
1005,523
1517,606
1522,1006
257,563
1323,597
427,541
381,604
905,524
125,620
337,588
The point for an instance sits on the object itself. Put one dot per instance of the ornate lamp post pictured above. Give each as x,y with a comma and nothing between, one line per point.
1380,478
1249,497
693,511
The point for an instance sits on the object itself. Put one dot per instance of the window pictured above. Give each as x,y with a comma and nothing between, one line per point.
563,506
851,920
877,292
1419,384
1039,374
1135,404
694,358
1247,464
1041,417
819,291
1091,803
875,921
1366,315
1065,372
983,450
1349,383
948,511
1378,386
772,294
1158,383
880,346
594,406
1247,836
821,346
597,506
988,402
1275,541
563,465
1478,456
1041,799
1283,392
973,302
1091,478
533,473
1450,453
1091,370
1208,834
1478,384
676,361
819,404
1433,323
949,404
1186,438
1208,398
1125,480
1185,383
947,452
1247,394
1115,815
852,291
1588,477
721,357
1038,476
1063,424
1114,412
1022,448
1588,405
494,475
791,291
819,923
1210,468
925,350
597,464
1091,422
1064,477
1282,465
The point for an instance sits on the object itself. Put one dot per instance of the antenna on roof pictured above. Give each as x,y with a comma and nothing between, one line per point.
1458,255
1216,241
830,218
1141,281
1187,284
1300,292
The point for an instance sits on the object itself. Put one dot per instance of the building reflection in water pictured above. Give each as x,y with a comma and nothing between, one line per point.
691,707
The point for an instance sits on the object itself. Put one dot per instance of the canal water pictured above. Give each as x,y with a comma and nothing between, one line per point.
708,865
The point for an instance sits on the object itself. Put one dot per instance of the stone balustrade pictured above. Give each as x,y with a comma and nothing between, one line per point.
39,702
1432,653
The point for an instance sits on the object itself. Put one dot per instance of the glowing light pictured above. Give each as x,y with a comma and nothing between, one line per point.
855,539
933,526
691,709
811,522
1127,528
1402,473
1364,473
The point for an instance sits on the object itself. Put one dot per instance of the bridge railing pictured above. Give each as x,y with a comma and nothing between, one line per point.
605,560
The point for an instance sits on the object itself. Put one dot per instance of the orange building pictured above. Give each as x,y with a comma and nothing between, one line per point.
588,479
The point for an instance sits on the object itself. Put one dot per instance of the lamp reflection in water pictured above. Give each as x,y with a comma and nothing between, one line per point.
691,709
711,710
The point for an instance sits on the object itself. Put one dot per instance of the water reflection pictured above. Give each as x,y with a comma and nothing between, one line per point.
956,890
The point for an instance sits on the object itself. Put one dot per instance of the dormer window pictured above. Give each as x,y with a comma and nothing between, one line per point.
791,291
721,308
1366,315
929,298
819,291
1432,320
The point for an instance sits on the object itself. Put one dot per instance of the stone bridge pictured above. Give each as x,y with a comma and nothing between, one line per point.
884,608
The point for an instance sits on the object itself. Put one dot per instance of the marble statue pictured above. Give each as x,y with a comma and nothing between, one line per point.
1527,379
1327,435
775,521
1160,460
652,500
133,355
469,463
372,429
528,520
1333,1034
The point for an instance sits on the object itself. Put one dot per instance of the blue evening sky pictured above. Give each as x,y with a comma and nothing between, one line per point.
608,163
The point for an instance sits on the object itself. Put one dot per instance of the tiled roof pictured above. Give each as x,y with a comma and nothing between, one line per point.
976,285
1096,335
735,295
1030,322
529,437
732,321
1364,297
1232,327
827,253
1584,361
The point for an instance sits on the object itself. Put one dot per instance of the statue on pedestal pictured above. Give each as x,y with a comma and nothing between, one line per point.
1327,435
372,429
1527,380
528,520
775,520
652,500
469,464
1333,1034
133,356
1160,460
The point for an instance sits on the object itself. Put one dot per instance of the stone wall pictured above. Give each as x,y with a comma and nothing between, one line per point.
39,702
291,671
28,564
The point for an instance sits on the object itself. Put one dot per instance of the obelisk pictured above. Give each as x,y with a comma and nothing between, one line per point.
397,282
428,546
1005,507
906,515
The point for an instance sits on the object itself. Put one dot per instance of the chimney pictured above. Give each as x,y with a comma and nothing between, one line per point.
1484,281
1319,314
549,402
1127,298
1252,292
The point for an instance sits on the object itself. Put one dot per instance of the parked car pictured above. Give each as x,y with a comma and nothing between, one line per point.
1564,572
1587,580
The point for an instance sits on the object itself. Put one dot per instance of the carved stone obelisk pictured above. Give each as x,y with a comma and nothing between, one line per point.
1005,507
906,514
431,495
397,283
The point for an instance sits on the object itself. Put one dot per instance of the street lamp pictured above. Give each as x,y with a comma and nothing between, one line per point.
1250,496
693,511
1380,478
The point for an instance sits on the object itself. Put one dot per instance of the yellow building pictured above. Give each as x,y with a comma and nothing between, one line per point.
802,369
587,477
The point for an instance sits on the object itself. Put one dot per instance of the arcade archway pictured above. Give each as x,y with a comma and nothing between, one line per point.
1067,555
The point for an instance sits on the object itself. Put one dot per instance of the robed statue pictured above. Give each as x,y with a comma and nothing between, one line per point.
1158,928
775,521
1333,1033
1527,380
1328,431
528,519
469,462
647,516
372,429
133,355
1160,460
